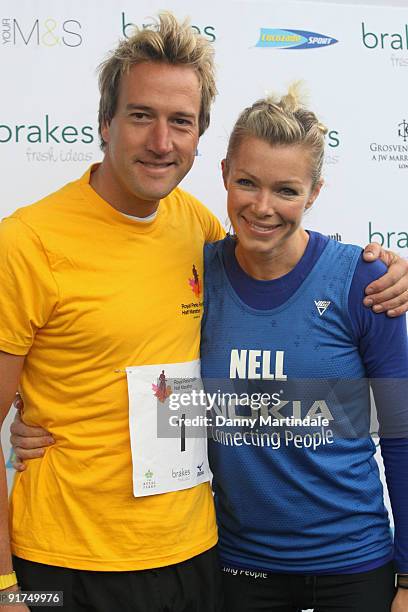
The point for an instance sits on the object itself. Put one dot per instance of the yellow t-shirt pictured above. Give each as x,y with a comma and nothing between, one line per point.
86,292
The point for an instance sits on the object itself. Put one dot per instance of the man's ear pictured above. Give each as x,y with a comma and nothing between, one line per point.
315,193
224,170
105,132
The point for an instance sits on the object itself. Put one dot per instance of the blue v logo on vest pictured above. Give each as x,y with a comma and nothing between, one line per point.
293,39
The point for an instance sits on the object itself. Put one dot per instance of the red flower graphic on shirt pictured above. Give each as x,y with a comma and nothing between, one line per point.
195,282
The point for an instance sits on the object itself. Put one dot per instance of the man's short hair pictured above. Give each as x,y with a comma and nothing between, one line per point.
167,41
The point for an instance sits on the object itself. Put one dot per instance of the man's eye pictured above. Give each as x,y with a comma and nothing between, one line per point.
139,116
181,121
245,182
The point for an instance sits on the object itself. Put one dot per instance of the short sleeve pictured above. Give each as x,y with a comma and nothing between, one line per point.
28,291
212,228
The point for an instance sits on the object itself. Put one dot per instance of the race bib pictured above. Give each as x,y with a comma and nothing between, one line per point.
166,454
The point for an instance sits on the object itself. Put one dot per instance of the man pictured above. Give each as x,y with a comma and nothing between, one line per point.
94,282
87,292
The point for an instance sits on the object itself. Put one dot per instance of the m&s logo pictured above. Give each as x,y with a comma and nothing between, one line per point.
48,33
293,39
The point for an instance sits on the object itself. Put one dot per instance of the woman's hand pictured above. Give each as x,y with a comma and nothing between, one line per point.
27,442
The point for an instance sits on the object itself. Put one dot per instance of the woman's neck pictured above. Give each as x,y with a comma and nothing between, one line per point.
275,263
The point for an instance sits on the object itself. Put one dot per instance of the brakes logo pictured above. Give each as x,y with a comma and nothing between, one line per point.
293,39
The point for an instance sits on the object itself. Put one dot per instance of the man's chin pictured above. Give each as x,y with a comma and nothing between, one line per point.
156,192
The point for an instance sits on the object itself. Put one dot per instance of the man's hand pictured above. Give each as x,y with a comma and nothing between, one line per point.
390,292
400,603
27,442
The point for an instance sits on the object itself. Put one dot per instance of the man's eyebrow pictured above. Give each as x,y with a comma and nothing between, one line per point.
138,107
141,107
189,114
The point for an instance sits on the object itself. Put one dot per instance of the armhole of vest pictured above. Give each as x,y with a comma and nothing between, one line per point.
350,278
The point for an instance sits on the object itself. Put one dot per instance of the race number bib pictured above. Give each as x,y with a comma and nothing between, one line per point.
165,457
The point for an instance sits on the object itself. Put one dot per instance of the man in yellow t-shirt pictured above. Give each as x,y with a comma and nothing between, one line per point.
96,278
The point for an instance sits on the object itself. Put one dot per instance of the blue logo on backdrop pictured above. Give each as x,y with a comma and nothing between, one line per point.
293,39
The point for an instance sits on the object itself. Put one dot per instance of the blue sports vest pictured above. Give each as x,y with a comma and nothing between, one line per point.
296,496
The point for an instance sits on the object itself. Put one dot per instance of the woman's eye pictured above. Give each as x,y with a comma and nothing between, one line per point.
288,191
245,182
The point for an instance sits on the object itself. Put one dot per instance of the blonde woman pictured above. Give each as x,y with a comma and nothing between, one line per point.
300,509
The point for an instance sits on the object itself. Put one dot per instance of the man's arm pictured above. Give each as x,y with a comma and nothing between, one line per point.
10,371
390,292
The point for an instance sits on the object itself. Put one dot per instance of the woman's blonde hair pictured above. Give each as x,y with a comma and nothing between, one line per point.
282,121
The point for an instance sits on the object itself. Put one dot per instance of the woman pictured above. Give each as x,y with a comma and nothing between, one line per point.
299,506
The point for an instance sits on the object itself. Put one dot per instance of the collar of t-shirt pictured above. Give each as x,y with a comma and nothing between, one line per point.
266,294
142,219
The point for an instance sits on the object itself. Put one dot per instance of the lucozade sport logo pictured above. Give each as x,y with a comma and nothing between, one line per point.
47,33
293,39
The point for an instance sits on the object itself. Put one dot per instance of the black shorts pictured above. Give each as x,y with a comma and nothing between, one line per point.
250,591
191,586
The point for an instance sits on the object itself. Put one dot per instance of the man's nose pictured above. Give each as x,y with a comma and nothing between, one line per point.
160,140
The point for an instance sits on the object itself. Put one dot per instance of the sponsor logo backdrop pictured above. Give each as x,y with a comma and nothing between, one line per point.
354,60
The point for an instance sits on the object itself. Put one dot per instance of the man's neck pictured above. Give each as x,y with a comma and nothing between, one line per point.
106,189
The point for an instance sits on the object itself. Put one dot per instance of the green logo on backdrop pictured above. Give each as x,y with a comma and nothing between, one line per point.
384,40
333,139
46,132
387,239
207,31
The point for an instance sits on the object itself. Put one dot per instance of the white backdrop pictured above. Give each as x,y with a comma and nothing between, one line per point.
358,85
